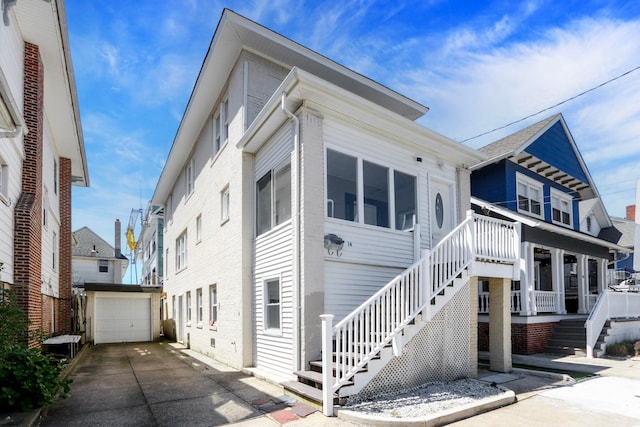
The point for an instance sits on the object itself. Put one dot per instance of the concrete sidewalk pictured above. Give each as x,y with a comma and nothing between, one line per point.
160,384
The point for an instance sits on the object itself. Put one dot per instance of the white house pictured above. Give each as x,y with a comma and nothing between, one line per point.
41,156
150,246
296,187
95,260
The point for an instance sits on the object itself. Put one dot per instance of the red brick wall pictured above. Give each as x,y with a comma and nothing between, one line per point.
525,338
64,250
28,210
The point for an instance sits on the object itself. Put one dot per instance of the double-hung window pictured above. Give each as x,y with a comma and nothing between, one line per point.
386,197
273,198
221,126
199,306
213,305
4,182
181,251
529,196
272,309
189,306
103,266
561,208
189,176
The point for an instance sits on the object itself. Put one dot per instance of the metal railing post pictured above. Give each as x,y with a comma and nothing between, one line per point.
327,369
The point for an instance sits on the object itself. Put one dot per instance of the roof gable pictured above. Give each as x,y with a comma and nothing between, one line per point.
555,148
89,244
546,148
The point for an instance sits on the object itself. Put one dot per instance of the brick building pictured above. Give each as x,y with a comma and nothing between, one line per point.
41,156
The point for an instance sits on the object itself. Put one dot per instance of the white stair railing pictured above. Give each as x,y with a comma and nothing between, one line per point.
362,334
609,305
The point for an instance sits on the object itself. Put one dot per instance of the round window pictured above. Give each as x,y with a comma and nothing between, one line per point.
439,210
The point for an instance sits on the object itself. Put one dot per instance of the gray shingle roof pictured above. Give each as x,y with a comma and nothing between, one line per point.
628,230
85,240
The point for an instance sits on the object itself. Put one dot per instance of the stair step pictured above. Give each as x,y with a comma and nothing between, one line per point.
307,392
563,349
316,365
313,378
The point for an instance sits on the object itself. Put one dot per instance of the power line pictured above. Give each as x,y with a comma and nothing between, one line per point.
553,106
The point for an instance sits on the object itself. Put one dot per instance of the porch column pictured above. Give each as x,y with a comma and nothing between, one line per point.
602,274
527,280
557,275
500,324
583,284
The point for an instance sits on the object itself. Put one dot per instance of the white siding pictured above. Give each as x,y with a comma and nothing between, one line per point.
372,256
11,149
273,259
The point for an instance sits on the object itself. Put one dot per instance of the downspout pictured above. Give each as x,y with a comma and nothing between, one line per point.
296,231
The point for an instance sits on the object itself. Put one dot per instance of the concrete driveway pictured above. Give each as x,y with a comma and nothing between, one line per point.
160,384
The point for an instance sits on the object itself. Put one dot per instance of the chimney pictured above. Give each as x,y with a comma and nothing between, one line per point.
118,251
631,212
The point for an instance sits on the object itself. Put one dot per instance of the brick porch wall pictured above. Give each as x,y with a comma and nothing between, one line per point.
525,338
27,237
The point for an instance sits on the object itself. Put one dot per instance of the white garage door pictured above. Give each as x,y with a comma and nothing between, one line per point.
122,319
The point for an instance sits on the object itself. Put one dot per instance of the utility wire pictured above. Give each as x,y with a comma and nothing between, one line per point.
553,106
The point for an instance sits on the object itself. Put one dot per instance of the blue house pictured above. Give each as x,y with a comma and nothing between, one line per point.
537,177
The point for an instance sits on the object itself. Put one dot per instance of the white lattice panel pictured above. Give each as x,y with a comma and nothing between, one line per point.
440,351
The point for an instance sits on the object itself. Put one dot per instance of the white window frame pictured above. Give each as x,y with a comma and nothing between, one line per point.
55,176
189,178
189,308
181,252
530,183
54,251
199,228
360,206
557,199
273,194
224,204
103,263
214,307
221,126
4,182
266,305
199,307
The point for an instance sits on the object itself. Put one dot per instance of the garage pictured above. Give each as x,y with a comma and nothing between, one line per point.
122,313
123,319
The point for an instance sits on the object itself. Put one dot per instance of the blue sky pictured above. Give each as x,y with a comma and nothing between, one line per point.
476,65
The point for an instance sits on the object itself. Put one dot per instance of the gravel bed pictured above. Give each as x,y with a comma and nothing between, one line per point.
425,399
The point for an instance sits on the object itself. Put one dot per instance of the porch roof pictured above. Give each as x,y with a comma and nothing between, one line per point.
535,223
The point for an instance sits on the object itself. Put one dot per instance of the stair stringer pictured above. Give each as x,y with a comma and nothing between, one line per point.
395,352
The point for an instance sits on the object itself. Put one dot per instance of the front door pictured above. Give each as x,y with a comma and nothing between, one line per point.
442,209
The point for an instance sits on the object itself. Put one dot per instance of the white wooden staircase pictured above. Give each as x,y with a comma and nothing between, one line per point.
362,344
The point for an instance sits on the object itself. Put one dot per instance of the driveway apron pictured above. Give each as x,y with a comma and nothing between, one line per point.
153,384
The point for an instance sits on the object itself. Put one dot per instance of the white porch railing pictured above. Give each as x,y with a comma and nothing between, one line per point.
545,301
610,305
483,302
380,320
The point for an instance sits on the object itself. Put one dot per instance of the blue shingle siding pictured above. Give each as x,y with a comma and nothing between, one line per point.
554,148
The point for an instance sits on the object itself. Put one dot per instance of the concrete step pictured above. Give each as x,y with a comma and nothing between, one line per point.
313,378
306,393
563,349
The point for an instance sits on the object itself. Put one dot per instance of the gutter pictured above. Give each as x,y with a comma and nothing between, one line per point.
295,172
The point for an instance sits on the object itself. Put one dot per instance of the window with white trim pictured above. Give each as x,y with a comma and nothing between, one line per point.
389,197
199,306
224,204
221,126
54,251
4,182
103,266
181,251
213,305
55,176
273,198
530,196
561,208
199,228
189,306
272,311
189,176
